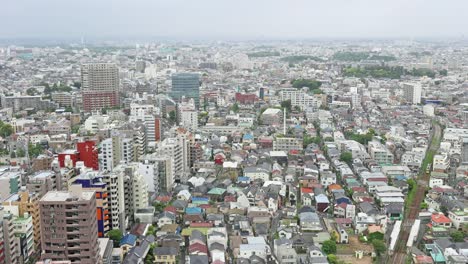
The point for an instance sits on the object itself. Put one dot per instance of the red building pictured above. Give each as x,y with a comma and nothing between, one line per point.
246,98
97,100
86,152
157,128
73,154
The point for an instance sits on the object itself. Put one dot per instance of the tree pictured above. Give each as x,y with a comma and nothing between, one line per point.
379,246
329,247
172,116
309,83
115,235
69,109
5,130
286,104
346,157
20,153
35,150
332,259
457,236
375,236
32,91
235,108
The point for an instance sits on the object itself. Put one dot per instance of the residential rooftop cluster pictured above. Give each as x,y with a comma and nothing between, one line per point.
234,152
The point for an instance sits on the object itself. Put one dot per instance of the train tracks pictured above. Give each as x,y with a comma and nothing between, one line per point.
400,253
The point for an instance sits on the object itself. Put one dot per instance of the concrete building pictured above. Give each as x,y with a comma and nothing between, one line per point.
69,226
380,153
23,102
10,181
287,144
24,233
116,198
100,86
93,181
11,248
272,117
178,149
23,204
160,171
464,150
412,93
186,85
115,150
299,98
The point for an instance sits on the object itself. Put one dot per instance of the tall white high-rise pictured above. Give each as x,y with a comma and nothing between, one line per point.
412,93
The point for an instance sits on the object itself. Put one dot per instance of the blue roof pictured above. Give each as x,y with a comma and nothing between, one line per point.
241,179
401,177
128,239
248,136
200,199
193,210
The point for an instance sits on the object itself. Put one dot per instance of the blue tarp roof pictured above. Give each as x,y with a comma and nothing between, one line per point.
128,239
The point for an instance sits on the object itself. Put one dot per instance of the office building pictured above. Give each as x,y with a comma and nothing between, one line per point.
100,86
69,226
186,85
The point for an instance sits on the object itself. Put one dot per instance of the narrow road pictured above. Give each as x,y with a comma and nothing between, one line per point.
400,253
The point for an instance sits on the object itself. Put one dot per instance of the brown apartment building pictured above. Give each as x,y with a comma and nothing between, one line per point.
69,226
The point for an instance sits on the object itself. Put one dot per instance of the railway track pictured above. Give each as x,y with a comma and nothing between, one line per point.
400,253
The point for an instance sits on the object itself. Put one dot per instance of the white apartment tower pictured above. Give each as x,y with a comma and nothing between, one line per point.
412,93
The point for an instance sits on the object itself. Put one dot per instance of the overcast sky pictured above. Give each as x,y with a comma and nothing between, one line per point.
285,19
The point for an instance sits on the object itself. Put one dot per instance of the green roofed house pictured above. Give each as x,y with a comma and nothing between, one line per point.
435,252
217,191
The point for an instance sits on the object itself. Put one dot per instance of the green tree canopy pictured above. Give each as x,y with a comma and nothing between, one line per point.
329,247
457,236
115,235
286,104
346,157
309,83
379,246
5,130
235,108
35,150
172,116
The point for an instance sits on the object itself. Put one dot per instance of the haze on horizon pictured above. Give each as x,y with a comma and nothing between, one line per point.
253,19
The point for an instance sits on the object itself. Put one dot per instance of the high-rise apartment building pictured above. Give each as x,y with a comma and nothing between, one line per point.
9,241
115,150
93,181
23,203
186,85
100,86
464,150
177,148
69,226
412,93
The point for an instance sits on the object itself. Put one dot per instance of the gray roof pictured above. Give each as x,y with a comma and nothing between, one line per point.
198,259
162,251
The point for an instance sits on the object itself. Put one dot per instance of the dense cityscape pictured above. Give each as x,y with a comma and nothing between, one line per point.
249,132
